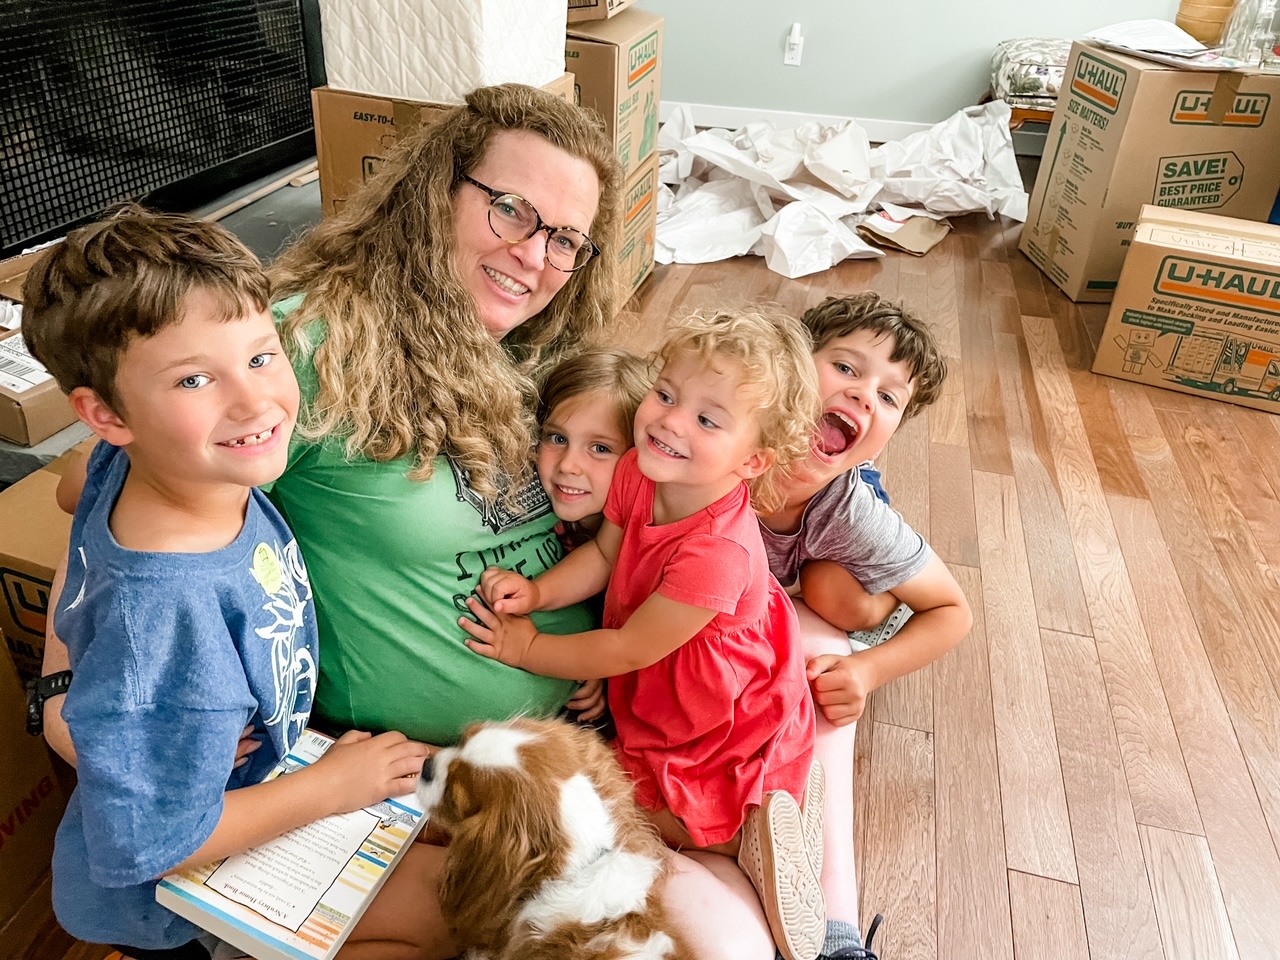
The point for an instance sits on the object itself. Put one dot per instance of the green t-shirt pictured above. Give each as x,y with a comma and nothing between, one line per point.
391,563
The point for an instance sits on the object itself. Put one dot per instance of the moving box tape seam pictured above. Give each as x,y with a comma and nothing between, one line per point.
1224,97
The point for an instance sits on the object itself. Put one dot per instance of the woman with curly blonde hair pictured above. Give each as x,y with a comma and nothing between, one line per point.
417,320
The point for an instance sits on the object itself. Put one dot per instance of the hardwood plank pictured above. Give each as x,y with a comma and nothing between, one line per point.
898,874
988,433
863,838
941,297
1193,921
953,531
1249,871
1261,432
1120,920
1073,340
1238,663
1029,287
1157,777
1048,921
1111,454
1246,475
1005,314
1253,584
906,702
973,896
997,279
1036,826
1133,408
1055,579
905,465
948,419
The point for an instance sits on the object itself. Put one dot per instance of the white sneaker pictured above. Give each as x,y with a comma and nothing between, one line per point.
774,857
862,639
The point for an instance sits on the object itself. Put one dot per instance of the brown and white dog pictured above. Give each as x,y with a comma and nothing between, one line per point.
549,856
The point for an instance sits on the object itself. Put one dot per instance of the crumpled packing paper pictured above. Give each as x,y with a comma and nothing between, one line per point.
796,196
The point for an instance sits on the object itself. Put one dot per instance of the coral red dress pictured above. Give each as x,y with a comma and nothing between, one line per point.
710,728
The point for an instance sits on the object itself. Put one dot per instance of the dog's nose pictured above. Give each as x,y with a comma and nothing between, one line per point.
428,769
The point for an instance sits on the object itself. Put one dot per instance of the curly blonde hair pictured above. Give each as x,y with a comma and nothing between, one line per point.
404,363
774,353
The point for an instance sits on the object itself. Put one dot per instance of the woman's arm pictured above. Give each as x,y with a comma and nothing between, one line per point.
657,628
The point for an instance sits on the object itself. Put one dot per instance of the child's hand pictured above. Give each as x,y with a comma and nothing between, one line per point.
498,636
840,686
247,746
589,700
360,769
505,591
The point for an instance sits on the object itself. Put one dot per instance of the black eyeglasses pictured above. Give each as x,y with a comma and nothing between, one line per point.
513,218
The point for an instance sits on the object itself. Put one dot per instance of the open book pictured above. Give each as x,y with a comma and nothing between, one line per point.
299,896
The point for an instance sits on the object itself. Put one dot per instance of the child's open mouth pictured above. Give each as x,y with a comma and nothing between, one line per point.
836,434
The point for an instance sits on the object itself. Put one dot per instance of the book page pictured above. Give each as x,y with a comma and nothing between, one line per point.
301,893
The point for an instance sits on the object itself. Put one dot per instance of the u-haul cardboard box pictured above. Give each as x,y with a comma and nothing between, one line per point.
33,540
617,68
582,10
1197,308
355,131
31,805
1128,132
640,225
32,408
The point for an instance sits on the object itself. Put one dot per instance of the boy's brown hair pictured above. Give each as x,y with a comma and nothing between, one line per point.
913,342
129,276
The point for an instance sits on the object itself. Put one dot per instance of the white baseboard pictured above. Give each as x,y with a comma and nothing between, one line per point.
711,115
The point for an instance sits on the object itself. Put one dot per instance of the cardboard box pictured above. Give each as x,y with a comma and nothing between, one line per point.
1128,132
32,407
1197,309
31,806
583,10
34,535
355,131
640,225
616,64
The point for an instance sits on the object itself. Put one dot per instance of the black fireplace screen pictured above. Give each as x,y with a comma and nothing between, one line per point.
109,100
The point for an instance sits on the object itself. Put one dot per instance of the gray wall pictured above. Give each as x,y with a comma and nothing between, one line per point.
906,60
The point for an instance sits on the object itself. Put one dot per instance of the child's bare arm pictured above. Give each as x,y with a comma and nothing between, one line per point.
580,575
56,659
658,627
72,483
359,769
942,617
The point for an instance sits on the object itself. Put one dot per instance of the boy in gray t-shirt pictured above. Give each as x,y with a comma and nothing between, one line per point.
835,544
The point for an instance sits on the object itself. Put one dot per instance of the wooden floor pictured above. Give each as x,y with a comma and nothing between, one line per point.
1094,773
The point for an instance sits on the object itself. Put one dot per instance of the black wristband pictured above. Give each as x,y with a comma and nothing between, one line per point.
38,691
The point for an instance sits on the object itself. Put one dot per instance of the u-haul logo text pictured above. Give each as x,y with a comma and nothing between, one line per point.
1247,110
1204,280
640,196
642,60
1101,83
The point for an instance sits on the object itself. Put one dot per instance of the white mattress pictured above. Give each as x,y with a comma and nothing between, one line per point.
436,51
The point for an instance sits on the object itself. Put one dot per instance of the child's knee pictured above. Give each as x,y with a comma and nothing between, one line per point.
836,595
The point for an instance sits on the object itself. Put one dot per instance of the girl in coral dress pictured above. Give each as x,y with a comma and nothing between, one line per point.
701,645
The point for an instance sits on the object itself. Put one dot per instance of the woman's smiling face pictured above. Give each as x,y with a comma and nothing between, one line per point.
512,282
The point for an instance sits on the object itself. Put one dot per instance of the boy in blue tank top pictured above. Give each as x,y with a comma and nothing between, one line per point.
186,610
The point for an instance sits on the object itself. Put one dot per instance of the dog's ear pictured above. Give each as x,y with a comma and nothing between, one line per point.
500,855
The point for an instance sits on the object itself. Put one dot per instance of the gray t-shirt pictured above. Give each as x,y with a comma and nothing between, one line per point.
848,524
